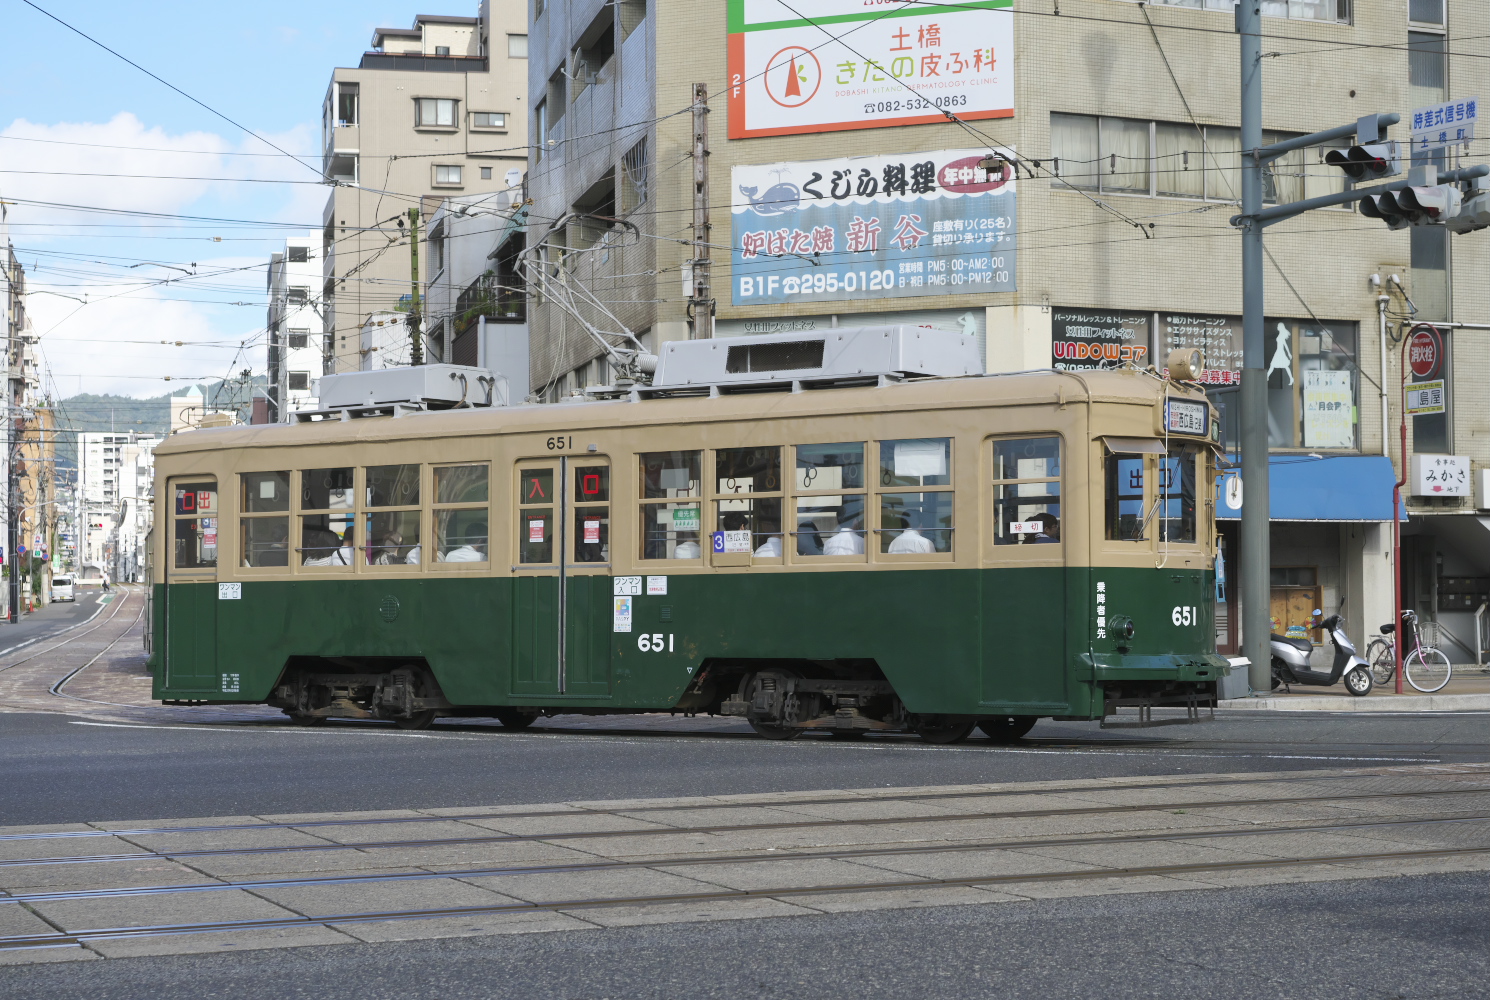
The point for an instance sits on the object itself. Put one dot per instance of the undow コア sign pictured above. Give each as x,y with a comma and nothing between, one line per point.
872,227
824,65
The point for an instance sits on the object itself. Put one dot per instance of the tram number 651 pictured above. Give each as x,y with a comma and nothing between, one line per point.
655,642
1185,615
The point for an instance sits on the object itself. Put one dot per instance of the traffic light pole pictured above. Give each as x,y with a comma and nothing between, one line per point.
1256,556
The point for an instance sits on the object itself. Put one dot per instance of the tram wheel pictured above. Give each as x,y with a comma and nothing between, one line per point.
511,718
1007,728
419,720
941,730
776,732
300,719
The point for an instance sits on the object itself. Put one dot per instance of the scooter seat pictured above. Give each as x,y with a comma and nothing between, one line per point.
1302,645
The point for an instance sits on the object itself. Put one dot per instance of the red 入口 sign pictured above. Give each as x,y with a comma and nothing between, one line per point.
1425,352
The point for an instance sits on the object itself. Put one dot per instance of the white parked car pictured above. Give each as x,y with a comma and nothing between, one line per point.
62,589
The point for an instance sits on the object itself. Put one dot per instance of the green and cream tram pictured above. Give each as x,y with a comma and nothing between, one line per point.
925,556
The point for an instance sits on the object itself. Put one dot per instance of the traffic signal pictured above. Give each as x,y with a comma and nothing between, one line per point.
1475,212
1368,162
1414,206
1373,156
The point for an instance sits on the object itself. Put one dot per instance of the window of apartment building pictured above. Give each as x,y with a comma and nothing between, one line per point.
346,103
486,173
1425,11
434,112
632,12
299,380
442,50
635,176
447,176
517,46
1176,160
1338,11
298,338
540,128
297,295
488,119
537,9
298,255
595,48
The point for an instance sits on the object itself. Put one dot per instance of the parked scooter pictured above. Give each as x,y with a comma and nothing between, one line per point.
1291,660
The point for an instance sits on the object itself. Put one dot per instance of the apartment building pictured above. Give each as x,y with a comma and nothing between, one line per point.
116,473
845,185
428,112
296,345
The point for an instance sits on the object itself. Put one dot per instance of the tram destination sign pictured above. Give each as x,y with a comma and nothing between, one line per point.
872,227
812,66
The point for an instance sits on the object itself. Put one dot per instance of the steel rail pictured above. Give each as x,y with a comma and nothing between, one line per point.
56,689
827,800
507,838
124,592
776,854
81,938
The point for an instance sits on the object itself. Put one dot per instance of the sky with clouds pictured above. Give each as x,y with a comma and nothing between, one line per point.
80,127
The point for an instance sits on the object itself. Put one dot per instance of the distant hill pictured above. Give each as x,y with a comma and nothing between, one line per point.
91,412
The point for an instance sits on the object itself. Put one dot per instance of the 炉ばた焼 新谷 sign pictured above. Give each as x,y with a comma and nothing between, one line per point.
829,65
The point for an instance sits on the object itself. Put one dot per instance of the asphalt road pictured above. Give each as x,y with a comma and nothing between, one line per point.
60,769
51,619
1410,936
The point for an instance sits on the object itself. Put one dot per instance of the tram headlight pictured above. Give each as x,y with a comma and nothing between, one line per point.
1121,627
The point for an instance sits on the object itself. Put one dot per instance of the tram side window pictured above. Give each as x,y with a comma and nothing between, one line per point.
672,504
195,538
327,521
741,475
830,501
263,518
1177,493
535,515
1125,488
391,530
1027,491
915,522
592,514
460,524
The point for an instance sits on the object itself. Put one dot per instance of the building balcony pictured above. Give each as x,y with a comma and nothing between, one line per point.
411,63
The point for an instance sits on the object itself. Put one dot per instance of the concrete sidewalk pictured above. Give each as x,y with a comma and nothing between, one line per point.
1468,691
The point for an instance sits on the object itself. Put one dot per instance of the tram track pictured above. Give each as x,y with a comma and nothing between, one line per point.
56,689
816,823
124,595
1445,773
776,855
83,937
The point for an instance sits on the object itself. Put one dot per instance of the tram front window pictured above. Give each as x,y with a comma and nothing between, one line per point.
1125,514
196,525
672,504
1177,493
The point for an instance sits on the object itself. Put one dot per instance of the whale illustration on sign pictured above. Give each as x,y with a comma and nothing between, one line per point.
779,198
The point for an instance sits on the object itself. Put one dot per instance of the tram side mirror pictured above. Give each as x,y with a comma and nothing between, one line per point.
1186,364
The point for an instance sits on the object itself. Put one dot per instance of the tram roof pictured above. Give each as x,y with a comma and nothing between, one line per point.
1122,387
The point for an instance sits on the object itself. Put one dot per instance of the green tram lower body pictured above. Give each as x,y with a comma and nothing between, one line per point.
930,650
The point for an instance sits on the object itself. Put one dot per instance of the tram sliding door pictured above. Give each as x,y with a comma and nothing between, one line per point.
562,646
191,588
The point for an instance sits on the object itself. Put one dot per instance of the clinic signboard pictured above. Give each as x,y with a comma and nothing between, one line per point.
1083,339
809,66
872,227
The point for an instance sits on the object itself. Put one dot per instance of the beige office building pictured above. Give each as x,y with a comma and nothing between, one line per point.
845,188
430,111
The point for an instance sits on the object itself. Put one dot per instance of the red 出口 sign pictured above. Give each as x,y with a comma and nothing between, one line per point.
1425,351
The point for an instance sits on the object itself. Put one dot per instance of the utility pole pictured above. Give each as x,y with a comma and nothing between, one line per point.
702,302
1255,564
1420,199
416,339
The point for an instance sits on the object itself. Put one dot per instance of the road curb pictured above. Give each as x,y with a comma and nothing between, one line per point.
1392,703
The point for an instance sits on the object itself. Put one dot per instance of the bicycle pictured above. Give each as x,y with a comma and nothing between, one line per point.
1425,667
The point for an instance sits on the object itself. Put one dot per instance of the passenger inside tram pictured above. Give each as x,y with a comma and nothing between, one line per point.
848,540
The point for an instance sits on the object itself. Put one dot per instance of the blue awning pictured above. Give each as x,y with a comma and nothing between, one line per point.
1335,488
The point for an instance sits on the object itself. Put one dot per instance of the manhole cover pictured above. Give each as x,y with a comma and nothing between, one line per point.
389,608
